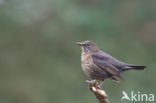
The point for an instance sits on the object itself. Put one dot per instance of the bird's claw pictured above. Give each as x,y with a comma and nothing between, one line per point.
99,87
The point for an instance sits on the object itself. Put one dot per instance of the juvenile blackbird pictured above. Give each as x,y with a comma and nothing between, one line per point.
99,65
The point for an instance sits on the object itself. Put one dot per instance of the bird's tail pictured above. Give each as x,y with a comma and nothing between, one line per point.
134,67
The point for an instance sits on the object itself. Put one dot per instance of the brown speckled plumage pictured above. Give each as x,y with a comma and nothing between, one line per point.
99,65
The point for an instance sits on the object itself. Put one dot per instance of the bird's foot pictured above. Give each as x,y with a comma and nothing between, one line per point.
94,83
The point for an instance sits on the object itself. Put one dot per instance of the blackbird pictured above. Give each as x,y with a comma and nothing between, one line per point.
99,65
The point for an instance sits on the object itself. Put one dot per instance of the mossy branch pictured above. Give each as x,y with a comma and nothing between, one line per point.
99,93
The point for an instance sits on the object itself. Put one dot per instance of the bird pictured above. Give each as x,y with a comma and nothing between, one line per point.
99,65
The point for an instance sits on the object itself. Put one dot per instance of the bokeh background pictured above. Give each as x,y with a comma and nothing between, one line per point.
39,58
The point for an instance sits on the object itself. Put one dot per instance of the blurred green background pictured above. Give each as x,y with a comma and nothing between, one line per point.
39,58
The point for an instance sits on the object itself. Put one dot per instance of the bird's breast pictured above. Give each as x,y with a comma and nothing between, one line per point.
91,69
88,67
87,64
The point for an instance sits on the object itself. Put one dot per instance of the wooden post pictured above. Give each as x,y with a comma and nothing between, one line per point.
99,93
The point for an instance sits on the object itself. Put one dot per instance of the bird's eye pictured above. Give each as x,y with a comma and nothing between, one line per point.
87,45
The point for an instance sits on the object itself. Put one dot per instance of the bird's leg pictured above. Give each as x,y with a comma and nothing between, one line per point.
93,81
100,86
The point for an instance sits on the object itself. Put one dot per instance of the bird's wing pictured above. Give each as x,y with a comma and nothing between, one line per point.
108,58
103,62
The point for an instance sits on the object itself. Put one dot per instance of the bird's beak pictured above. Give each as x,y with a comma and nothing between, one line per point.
79,43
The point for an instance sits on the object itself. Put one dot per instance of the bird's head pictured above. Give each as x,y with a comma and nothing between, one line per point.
88,47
